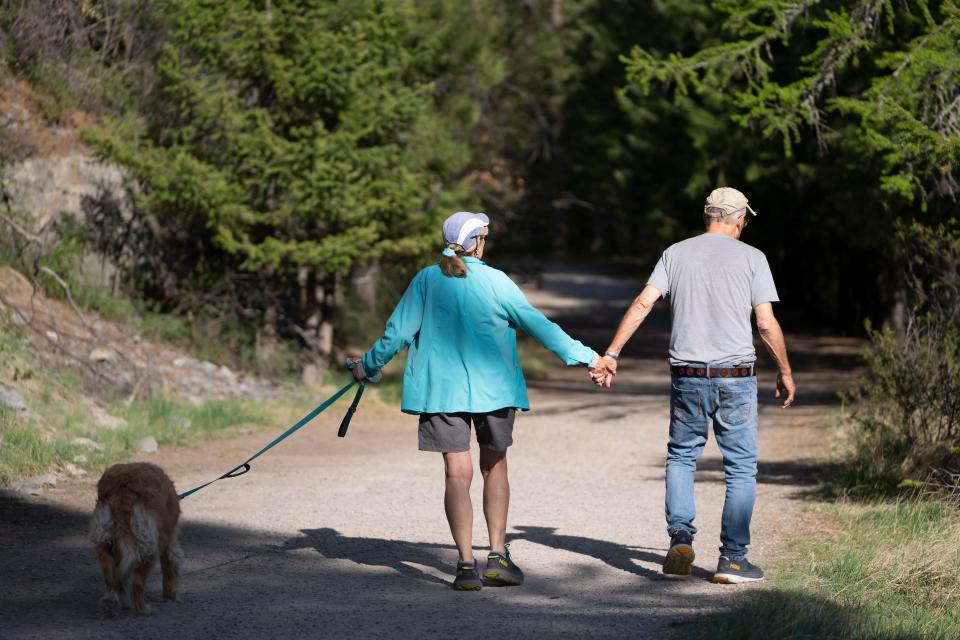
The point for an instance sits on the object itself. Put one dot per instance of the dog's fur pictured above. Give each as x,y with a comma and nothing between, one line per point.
133,525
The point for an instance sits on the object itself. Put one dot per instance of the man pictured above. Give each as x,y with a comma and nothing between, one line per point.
713,281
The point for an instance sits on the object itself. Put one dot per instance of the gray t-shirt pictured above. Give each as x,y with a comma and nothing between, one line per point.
713,282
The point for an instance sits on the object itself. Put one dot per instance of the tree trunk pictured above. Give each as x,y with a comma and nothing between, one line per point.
363,284
328,305
897,314
556,14
266,340
318,307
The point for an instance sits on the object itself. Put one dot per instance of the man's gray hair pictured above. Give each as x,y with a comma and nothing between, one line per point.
731,218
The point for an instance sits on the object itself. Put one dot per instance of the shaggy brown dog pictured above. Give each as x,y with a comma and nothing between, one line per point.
134,524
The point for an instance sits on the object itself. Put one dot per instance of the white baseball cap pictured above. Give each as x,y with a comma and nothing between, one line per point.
463,227
725,201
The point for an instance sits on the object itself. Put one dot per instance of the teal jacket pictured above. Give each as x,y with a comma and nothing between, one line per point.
462,341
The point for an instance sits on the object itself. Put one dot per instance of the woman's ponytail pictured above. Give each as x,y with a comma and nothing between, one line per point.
451,264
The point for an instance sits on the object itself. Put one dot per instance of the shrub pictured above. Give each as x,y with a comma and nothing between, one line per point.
906,420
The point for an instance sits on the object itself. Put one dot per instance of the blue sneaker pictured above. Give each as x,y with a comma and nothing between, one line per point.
502,571
736,571
680,557
467,578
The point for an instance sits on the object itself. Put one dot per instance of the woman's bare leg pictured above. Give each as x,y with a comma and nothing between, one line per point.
456,501
496,495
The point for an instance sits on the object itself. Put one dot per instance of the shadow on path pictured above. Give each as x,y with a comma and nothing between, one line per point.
393,554
399,554
613,554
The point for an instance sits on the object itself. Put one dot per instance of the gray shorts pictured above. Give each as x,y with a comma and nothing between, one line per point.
449,432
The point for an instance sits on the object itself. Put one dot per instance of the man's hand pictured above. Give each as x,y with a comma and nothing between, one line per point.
604,372
772,336
786,385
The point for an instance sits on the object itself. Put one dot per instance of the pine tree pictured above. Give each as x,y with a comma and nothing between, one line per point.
285,144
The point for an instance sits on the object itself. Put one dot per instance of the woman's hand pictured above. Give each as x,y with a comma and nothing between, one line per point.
356,368
360,374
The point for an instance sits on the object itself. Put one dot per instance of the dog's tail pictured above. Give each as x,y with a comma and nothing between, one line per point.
130,533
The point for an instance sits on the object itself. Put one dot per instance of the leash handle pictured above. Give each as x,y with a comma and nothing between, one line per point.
345,424
233,472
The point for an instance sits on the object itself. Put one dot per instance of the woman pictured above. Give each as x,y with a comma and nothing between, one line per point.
458,319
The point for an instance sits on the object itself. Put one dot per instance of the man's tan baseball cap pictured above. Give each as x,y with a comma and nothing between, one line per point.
725,201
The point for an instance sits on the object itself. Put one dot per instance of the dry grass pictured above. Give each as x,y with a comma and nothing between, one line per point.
923,562
888,570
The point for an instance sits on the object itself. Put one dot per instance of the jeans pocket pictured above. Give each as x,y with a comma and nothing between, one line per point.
685,405
736,406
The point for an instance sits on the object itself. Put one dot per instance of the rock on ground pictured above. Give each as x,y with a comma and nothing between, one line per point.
12,399
148,444
88,443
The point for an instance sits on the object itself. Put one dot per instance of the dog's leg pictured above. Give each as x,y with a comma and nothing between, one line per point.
170,561
140,575
109,604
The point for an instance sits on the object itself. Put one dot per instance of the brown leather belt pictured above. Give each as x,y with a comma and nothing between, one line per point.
718,372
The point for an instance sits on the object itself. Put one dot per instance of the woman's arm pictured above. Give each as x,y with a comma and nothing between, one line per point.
524,315
402,328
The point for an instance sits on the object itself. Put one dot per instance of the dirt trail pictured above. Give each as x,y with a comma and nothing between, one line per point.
345,538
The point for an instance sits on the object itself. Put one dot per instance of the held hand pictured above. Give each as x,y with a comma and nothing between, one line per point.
600,377
786,385
604,372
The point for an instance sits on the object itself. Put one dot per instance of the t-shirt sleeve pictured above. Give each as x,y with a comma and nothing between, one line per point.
659,278
763,289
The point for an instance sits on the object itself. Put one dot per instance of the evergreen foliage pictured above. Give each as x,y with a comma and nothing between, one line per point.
889,74
835,117
283,146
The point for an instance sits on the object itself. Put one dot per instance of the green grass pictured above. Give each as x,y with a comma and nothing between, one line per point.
28,447
888,570
24,451
31,445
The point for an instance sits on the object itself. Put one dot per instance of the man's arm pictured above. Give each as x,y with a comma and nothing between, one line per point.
772,336
629,324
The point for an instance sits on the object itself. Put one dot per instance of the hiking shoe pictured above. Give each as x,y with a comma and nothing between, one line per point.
502,571
736,571
680,557
467,577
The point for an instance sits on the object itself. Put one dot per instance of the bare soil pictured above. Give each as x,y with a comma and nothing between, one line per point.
346,538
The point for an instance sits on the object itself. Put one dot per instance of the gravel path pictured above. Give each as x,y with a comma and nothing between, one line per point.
345,538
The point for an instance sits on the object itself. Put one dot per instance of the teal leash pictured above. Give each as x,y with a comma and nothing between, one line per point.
244,467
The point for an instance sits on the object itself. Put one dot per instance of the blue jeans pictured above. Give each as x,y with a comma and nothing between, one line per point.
732,405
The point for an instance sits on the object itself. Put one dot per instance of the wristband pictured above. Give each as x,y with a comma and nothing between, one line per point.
613,355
